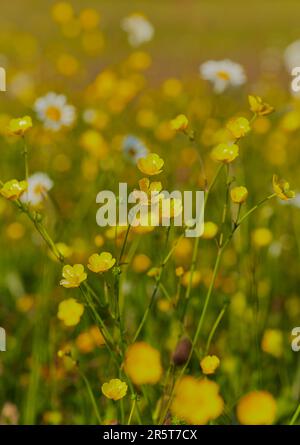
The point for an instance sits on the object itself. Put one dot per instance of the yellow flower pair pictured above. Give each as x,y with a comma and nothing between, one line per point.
73,276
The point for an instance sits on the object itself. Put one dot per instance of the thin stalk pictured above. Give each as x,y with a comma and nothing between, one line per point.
157,285
295,415
131,411
214,328
91,396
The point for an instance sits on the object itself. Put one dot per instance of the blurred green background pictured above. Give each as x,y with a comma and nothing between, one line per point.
187,31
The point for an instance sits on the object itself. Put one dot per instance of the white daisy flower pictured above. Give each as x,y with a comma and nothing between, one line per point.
223,73
138,28
38,186
54,111
133,148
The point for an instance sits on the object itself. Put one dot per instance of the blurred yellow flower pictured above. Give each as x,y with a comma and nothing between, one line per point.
142,364
15,231
164,305
139,60
115,389
13,189
70,312
96,335
172,87
87,341
282,189
197,401
262,237
225,153
25,303
238,127
62,12
239,194
146,118
256,408
180,123
183,249
99,240
210,230
141,263
73,276
179,271
65,250
209,364
101,263
20,125
154,272
94,143
150,165
52,417
196,278
89,19
272,342
259,107
67,65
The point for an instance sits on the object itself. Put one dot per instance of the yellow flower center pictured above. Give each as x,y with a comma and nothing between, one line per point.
53,113
39,189
223,75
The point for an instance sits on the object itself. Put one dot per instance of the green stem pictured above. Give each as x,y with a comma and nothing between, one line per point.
196,247
131,411
25,154
255,207
214,328
157,285
91,395
295,416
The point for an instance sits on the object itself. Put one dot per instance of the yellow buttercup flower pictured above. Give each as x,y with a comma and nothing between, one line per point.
257,408
209,364
101,263
142,364
197,401
282,189
238,127
151,165
73,276
259,107
225,153
239,194
210,230
13,189
19,126
70,312
180,123
115,389
272,342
